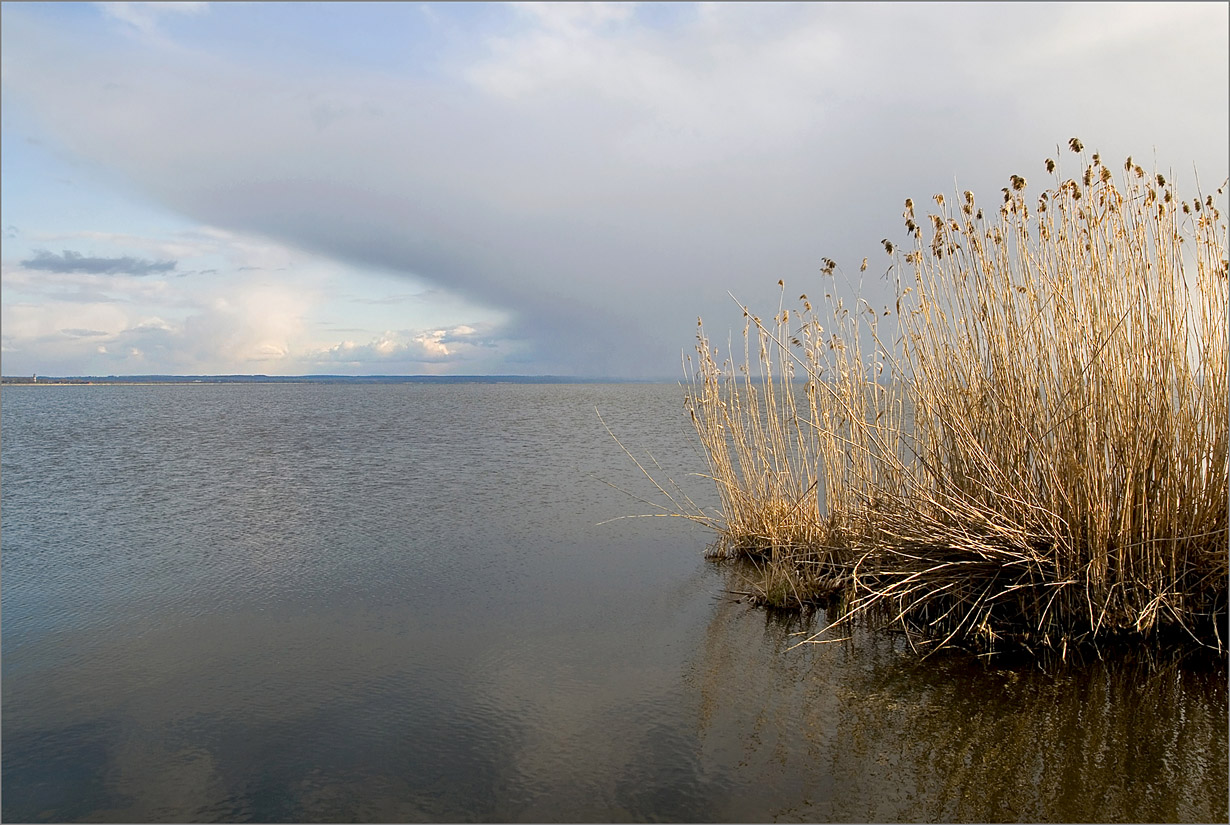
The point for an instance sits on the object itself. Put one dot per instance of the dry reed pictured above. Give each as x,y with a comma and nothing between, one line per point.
1034,454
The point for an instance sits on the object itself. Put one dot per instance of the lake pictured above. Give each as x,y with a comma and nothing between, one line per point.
330,603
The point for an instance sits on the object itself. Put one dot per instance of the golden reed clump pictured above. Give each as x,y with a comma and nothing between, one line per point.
1034,455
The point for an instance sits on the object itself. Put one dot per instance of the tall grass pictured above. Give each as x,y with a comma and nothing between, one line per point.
1028,446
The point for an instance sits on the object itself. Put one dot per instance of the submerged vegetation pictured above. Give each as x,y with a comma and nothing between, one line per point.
1027,449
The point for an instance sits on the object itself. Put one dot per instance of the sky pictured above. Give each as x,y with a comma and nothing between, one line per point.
558,189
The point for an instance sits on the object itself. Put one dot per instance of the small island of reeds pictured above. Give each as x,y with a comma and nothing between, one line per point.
1026,449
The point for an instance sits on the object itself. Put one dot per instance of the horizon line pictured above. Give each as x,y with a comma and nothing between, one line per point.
305,377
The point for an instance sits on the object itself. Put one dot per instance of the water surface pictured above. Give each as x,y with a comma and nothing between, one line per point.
408,603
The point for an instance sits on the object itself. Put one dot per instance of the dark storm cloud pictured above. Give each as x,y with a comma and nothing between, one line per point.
69,262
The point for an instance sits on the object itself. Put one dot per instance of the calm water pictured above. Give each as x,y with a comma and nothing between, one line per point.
397,603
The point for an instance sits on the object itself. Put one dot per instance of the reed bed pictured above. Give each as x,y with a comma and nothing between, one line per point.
1028,448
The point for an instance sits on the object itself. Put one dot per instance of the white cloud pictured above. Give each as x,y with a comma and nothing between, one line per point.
432,342
251,324
32,323
463,348
577,18
693,99
144,18
242,304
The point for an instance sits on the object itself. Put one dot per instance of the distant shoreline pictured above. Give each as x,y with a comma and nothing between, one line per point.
190,380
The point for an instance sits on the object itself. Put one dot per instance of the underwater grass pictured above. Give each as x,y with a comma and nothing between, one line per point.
1028,448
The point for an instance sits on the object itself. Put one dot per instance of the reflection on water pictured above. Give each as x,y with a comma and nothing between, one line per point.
312,603
865,730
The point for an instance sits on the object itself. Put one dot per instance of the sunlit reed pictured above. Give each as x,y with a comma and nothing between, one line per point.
1027,447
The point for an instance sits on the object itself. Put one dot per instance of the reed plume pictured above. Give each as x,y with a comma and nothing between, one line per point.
1029,446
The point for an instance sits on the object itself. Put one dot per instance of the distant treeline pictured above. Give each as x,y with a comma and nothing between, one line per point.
304,379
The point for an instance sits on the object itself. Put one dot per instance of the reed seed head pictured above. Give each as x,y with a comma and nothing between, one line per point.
989,337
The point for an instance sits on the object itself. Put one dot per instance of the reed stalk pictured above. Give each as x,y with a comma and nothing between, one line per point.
1028,447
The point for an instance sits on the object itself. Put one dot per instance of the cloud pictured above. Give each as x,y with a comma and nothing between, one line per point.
576,18
262,307
248,327
462,348
143,18
71,261
30,326
389,300
603,180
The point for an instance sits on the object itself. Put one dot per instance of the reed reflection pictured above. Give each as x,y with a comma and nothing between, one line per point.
867,730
